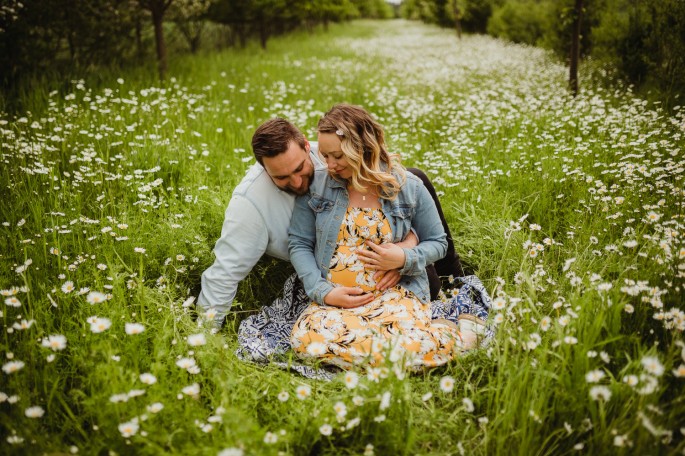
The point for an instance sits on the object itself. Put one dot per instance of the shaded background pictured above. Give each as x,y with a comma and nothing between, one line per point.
642,42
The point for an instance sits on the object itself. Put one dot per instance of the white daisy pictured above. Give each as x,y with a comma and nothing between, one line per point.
600,392
68,287
594,376
34,412
351,379
129,428
303,391
196,340
134,328
96,297
191,390
326,429
100,324
652,365
155,407
447,384
55,342
148,378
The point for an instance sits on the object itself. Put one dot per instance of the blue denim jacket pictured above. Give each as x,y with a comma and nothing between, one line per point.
316,221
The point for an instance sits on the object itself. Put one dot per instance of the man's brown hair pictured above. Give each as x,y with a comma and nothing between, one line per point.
273,137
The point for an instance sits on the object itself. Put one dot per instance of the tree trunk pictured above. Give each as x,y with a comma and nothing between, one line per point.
72,47
264,36
231,36
157,8
457,18
192,32
242,35
139,39
157,18
575,49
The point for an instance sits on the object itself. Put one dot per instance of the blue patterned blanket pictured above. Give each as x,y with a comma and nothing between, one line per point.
265,336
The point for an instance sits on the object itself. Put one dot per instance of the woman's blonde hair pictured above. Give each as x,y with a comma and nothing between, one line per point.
363,144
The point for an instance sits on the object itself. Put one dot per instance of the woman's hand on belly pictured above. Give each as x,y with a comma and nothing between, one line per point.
382,257
347,297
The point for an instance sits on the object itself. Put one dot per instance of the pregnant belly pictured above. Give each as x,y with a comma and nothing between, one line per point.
348,271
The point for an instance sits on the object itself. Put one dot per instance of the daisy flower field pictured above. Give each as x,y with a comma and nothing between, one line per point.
570,210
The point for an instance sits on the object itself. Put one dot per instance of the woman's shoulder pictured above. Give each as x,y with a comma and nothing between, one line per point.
412,179
407,195
411,184
321,184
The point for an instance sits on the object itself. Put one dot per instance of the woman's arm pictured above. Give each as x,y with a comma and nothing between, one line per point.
301,247
301,243
432,238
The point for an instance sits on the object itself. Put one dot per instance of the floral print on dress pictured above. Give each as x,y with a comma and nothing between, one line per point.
395,324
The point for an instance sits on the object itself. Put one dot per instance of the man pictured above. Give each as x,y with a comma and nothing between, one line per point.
258,216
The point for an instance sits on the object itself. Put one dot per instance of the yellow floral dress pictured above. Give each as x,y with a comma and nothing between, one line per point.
396,324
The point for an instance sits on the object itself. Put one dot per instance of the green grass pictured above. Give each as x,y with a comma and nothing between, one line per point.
98,169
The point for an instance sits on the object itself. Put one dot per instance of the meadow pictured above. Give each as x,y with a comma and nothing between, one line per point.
571,211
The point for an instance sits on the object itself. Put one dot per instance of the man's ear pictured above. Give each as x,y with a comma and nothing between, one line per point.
307,147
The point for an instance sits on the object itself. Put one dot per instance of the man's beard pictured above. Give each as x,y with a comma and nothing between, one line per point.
302,190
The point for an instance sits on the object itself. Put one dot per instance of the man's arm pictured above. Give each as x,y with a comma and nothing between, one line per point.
244,239
410,241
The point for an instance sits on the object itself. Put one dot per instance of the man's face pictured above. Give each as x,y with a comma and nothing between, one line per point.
292,171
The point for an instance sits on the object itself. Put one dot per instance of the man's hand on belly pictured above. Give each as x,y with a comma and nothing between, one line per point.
386,279
382,257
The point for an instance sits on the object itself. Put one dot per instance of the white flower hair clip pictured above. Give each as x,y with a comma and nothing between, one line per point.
339,132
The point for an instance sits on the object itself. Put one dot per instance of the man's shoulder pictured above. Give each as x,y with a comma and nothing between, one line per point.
255,179
256,191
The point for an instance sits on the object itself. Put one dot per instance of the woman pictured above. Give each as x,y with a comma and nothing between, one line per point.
345,230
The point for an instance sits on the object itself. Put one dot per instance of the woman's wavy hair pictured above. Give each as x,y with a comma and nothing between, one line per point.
363,144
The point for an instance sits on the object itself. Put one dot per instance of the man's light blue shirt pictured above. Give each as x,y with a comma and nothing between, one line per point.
256,223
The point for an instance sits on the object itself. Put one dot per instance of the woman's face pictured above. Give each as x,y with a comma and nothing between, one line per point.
330,149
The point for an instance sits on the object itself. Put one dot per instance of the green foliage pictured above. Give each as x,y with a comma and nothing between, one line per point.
569,210
189,18
645,41
80,32
476,13
374,9
68,38
521,21
419,9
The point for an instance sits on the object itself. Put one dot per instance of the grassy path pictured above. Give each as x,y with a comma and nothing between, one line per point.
571,211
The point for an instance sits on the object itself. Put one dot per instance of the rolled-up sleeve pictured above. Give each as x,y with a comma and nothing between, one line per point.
244,239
